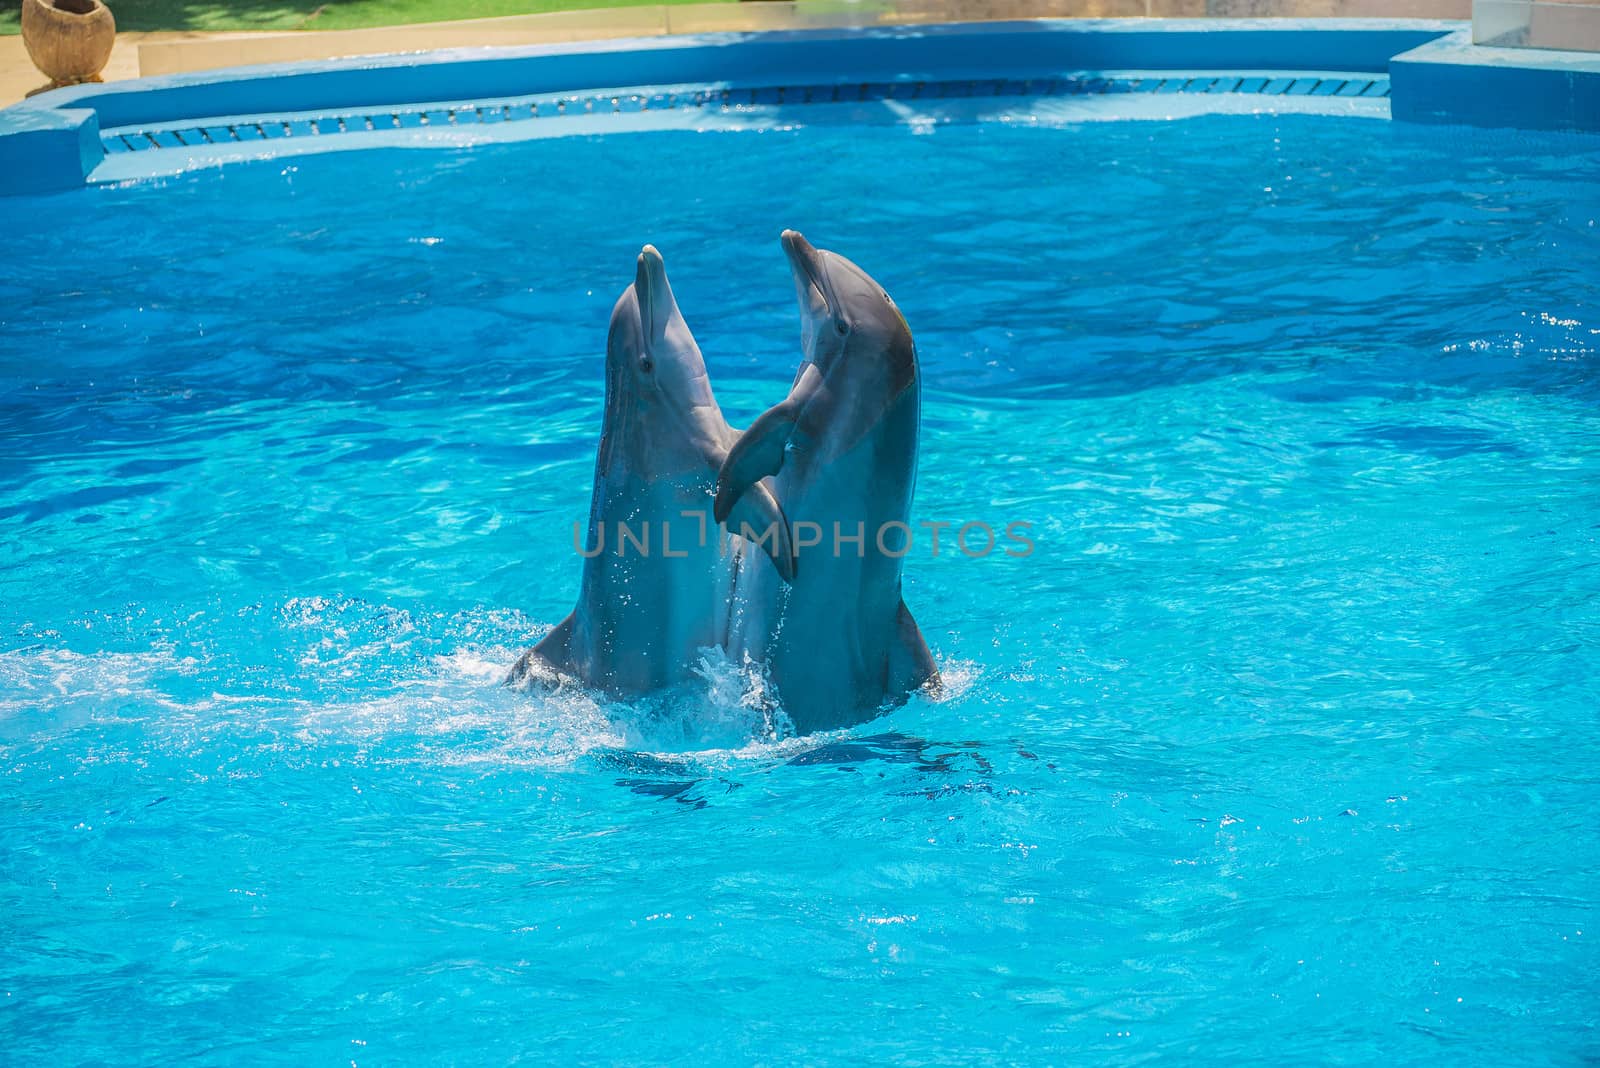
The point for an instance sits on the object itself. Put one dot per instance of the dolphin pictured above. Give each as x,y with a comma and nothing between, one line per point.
839,643
657,573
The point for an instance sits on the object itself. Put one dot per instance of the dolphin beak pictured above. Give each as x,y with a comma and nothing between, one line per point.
811,287
655,295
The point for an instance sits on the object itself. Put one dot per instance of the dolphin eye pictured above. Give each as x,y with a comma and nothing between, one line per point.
841,327
646,364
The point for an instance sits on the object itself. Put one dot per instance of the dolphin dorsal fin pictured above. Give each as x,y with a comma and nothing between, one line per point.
544,666
911,664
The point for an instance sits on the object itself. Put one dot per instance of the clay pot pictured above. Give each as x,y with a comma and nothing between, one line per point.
70,40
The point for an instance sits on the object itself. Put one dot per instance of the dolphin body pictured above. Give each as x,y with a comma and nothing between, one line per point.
839,643
645,610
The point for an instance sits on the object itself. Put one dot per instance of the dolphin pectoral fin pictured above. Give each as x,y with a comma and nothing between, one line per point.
545,665
911,665
757,454
759,451
759,513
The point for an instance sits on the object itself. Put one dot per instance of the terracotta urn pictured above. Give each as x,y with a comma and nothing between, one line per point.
70,40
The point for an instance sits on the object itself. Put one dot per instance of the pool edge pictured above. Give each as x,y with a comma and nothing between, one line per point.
53,142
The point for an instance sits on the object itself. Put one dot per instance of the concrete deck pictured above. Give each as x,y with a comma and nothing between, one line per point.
18,76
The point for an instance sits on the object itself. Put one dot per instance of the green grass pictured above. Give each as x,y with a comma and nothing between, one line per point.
313,14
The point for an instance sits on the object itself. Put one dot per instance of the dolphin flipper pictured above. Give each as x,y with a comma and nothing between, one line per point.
545,665
911,665
757,454
759,451
758,511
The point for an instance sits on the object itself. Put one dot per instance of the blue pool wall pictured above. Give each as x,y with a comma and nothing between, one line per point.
1452,80
53,141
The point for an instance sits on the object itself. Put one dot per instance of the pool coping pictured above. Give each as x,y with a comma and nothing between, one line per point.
920,106
55,141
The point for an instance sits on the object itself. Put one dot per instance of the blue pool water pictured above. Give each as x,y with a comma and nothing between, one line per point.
1281,746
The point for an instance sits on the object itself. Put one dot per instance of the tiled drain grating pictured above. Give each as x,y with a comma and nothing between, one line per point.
524,109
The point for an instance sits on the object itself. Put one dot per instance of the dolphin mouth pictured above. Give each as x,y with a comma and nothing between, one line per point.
656,302
810,276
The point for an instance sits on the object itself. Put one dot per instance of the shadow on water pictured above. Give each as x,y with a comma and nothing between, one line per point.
655,776
687,782
854,754
671,790
1440,442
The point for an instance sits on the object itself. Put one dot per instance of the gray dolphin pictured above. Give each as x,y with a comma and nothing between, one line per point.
840,643
646,607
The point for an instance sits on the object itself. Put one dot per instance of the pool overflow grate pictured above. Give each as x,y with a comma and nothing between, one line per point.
124,140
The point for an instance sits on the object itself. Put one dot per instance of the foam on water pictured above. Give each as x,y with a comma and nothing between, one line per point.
381,685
